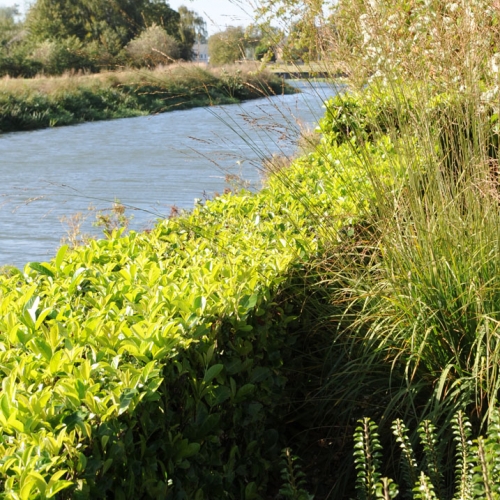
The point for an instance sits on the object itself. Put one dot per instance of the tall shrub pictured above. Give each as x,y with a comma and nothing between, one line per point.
227,46
152,47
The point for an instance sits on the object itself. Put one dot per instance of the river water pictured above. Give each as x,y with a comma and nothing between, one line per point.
148,163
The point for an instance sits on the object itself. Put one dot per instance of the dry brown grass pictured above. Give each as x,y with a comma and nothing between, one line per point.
177,72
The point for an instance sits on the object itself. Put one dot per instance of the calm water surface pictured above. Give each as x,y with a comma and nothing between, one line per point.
148,163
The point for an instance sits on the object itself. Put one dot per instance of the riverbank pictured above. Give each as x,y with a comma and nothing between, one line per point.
28,104
313,70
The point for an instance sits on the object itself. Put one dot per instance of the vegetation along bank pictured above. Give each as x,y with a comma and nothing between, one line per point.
336,335
27,104
161,364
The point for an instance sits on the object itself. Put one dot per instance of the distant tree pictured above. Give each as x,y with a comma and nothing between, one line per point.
9,27
152,47
263,39
13,49
304,42
227,46
192,30
304,26
9,14
111,23
56,56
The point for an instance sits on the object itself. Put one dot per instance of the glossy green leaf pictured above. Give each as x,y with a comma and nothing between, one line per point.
61,253
189,450
42,269
212,372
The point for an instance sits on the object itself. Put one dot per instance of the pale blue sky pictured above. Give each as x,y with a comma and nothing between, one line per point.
218,13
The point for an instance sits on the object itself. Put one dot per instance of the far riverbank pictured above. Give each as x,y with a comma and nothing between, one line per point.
29,104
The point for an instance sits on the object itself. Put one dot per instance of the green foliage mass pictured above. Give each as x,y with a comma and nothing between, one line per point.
89,35
227,46
111,24
156,365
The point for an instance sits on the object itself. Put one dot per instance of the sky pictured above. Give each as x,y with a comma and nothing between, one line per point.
218,13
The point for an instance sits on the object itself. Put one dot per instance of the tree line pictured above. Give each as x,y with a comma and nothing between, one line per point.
91,35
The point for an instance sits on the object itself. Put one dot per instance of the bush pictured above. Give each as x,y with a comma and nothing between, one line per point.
153,47
57,56
157,364
227,46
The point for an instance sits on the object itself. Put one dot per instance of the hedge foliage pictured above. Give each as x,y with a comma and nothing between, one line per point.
153,365
366,115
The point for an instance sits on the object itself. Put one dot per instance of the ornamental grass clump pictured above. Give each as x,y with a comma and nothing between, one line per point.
413,281
431,300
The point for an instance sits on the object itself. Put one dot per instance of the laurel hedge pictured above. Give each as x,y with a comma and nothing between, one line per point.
153,365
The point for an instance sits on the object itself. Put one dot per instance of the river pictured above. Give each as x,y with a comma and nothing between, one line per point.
149,163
